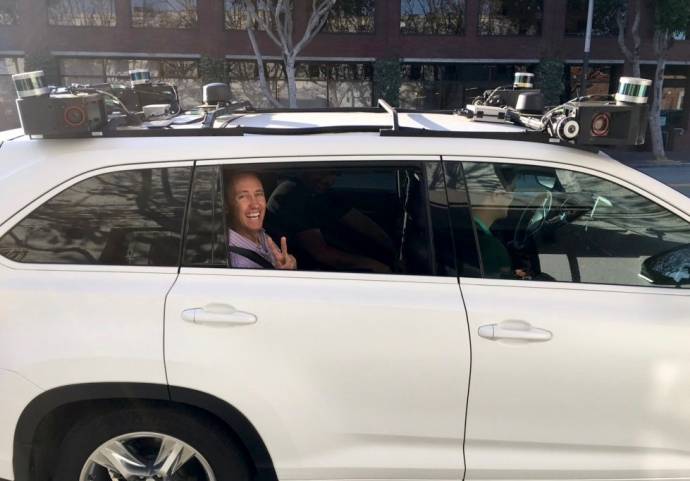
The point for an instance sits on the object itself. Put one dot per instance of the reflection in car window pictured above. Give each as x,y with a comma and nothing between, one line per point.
563,225
205,244
338,219
121,218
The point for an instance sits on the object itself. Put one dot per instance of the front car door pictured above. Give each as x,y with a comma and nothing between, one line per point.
345,375
581,367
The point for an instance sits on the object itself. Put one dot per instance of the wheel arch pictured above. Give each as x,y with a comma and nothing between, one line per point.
97,396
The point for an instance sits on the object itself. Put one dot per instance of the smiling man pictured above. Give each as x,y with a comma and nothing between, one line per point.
248,244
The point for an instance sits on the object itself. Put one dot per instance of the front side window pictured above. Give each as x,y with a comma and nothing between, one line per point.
128,218
338,219
8,12
351,16
164,13
537,223
510,17
82,13
432,17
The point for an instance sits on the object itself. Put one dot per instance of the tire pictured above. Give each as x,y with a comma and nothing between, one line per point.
86,451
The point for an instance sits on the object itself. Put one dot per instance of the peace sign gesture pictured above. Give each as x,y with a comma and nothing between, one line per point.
283,259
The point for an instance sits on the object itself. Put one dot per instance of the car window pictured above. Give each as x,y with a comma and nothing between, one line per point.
205,244
461,220
536,223
343,218
125,218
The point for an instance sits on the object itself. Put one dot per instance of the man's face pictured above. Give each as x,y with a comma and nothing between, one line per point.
247,203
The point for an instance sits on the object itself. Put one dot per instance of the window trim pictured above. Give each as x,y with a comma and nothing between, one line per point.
585,286
22,213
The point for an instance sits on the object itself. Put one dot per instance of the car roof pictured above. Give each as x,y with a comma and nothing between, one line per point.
45,163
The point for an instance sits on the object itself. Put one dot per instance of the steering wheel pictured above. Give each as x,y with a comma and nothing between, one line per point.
528,225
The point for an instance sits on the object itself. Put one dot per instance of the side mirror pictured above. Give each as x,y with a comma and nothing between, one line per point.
670,268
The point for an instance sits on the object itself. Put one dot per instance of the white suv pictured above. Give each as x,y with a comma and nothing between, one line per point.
458,308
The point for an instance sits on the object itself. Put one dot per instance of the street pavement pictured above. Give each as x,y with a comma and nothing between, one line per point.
674,173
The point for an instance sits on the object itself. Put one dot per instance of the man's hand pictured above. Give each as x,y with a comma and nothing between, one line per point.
284,260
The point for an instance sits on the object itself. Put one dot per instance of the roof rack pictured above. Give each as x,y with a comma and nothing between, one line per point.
585,123
386,106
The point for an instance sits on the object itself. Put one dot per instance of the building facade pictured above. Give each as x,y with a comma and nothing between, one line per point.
446,51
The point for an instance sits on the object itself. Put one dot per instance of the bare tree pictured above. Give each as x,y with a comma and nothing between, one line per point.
277,21
670,18
631,54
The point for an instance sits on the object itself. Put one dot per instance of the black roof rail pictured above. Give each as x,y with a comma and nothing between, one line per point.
387,107
382,130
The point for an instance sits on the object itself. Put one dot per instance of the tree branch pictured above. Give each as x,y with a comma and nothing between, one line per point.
262,74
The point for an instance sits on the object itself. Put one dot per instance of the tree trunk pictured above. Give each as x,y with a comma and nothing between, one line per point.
262,73
632,56
655,111
291,80
662,44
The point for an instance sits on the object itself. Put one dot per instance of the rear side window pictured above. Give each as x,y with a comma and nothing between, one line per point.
339,218
129,218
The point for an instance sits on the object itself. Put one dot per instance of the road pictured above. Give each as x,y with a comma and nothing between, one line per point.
676,176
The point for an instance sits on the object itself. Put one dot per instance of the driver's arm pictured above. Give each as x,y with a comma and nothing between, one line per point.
362,224
313,242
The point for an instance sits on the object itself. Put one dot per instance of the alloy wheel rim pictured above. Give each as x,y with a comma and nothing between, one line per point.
146,456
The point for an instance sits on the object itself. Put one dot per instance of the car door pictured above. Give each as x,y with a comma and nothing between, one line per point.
84,271
580,366
343,375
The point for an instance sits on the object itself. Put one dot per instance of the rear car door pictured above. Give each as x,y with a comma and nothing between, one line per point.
344,375
580,362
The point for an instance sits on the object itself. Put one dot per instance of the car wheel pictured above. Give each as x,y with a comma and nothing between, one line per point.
149,445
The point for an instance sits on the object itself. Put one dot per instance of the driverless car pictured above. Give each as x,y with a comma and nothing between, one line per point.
469,299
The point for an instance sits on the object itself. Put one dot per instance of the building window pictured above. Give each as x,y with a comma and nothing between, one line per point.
164,13
318,85
604,23
8,12
510,17
236,15
351,16
682,34
451,86
82,13
673,98
184,74
598,80
8,109
432,17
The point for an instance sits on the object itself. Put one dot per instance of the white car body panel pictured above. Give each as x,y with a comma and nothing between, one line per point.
605,398
343,376
15,393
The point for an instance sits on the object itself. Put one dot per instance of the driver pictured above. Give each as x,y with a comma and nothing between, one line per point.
490,203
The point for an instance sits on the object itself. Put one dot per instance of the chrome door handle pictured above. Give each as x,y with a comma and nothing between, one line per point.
219,315
514,331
